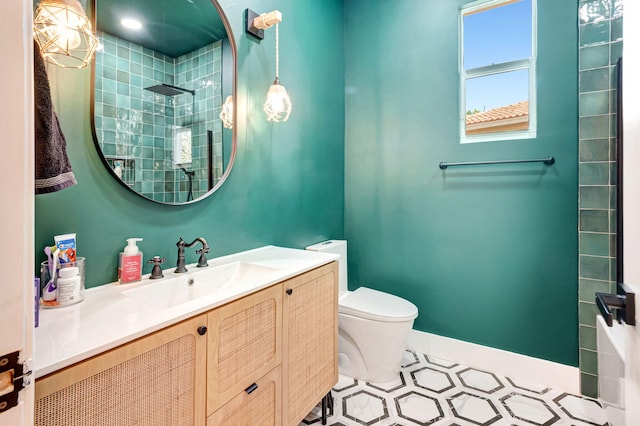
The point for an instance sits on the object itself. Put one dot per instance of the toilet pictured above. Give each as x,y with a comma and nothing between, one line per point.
373,325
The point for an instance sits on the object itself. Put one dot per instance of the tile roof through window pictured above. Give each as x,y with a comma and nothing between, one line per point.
520,109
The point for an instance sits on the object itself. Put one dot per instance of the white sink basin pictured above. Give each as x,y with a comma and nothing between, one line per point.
114,314
197,283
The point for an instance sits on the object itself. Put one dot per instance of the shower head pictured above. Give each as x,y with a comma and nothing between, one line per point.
169,90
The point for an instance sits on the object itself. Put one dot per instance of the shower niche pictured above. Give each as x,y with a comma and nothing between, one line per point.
157,96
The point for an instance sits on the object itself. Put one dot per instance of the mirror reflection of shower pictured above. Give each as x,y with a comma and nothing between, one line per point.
159,118
181,112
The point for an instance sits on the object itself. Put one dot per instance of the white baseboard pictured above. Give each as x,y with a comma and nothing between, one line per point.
522,368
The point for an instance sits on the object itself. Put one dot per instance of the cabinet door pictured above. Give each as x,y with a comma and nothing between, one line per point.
260,404
310,347
153,381
245,342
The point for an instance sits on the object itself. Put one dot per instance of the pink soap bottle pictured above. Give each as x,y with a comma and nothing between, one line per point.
130,265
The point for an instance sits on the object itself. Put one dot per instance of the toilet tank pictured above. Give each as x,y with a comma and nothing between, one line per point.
335,247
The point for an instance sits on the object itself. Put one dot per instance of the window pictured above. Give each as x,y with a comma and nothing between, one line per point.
182,156
497,70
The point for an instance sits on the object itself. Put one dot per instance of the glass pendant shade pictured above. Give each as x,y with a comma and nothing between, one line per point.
226,113
278,104
63,33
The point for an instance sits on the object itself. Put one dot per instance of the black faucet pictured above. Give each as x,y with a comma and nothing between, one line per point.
202,261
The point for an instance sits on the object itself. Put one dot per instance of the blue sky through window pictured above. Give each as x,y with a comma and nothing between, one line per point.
497,90
497,35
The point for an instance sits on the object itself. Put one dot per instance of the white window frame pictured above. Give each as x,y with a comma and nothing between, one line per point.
182,148
520,64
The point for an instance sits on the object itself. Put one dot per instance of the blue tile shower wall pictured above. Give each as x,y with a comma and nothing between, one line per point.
135,127
600,41
201,70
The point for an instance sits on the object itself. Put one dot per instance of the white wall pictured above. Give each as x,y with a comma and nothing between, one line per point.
16,192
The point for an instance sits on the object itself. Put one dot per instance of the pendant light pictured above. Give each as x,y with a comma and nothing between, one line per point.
63,33
226,113
278,104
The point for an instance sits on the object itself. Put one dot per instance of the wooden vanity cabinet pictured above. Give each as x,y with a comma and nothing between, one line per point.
310,354
155,380
265,359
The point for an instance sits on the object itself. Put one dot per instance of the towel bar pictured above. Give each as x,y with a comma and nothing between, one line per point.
547,161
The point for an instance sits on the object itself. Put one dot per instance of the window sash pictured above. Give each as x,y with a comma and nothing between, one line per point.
520,64
483,5
515,65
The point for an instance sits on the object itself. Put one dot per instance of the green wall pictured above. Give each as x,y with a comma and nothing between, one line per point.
287,184
488,254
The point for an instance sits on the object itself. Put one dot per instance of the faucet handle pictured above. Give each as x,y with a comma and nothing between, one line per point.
202,261
156,272
157,260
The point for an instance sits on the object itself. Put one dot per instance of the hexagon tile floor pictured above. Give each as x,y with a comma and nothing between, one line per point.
431,391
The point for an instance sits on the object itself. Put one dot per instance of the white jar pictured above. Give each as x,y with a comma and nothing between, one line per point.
69,286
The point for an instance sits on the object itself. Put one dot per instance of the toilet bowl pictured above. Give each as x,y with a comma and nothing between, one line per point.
373,325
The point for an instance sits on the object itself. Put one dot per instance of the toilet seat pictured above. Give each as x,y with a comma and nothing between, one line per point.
376,305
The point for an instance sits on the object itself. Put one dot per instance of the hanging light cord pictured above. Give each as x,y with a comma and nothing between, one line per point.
277,54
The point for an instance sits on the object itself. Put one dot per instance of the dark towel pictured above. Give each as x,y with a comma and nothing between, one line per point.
53,169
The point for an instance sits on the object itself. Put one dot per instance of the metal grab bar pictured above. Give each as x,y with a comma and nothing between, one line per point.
547,161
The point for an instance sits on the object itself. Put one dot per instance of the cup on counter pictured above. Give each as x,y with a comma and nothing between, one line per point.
67,286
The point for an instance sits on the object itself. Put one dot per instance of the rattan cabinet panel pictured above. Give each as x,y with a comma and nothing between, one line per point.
153,381
261,406
310,351
245,343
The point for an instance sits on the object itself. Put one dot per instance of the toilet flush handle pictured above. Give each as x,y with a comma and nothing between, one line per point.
289,291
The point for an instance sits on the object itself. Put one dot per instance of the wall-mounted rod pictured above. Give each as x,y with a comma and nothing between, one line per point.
256,24
547,161
267,20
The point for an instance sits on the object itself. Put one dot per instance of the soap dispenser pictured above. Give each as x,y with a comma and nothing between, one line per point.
130,266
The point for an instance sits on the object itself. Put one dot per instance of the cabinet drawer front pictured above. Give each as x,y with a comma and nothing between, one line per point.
244,344
152,381
260,407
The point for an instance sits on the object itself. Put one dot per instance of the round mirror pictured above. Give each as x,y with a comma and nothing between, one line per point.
161,76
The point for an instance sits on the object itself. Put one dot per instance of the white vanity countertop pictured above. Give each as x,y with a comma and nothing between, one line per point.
108,318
